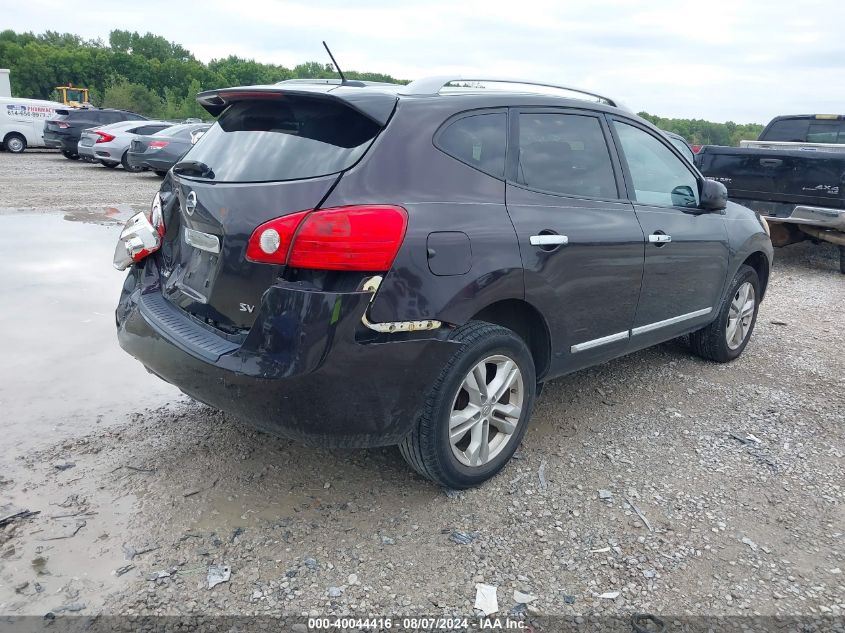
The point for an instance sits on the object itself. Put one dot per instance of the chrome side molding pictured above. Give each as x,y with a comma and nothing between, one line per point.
659,324
604,340
621,336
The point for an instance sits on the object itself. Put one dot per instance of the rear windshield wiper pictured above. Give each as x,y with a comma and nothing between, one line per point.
193,168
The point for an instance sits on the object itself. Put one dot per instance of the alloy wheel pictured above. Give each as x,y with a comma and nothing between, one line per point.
486,411
740,315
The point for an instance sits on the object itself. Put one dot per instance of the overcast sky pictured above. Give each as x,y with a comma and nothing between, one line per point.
740,60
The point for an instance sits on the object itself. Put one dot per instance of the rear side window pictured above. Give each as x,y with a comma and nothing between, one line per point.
826,132
479,141
789,130
283,139
146,130
566,154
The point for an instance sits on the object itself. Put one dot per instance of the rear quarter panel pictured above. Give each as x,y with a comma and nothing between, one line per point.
440,194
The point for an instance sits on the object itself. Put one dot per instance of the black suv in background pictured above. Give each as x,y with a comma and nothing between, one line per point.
365,265
63,131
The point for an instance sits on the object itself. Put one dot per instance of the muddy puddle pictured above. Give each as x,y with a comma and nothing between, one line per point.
62,372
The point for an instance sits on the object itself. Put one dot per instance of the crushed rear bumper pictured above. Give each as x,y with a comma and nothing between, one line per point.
303,371
822,217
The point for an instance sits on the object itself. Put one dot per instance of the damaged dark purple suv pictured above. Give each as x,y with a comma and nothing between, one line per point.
367,264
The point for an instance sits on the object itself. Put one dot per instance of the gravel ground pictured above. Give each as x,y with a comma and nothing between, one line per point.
657,482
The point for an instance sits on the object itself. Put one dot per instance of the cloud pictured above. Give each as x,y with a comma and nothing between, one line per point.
741,60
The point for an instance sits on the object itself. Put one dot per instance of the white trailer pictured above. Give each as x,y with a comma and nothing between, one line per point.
5,86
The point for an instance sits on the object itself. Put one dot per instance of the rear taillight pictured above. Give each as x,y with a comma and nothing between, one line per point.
141,236
270,242
157,144
696,149
105,137
62,124
361,237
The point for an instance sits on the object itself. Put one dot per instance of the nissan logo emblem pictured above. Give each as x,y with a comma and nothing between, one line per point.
190,203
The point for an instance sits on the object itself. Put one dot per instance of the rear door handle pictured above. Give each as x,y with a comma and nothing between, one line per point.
548,240
659,238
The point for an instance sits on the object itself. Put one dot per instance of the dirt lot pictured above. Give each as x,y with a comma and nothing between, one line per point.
657,482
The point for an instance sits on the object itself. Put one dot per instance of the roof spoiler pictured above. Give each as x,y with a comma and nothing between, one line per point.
373,104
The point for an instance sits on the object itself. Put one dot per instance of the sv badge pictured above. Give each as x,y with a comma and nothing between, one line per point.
245,307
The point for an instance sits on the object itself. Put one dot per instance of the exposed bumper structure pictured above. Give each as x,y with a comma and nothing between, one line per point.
822,217
304,371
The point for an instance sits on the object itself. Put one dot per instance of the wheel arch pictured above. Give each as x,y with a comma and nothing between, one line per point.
760,263
524,319
19,134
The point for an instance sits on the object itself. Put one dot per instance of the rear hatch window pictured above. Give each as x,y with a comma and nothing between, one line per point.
283,138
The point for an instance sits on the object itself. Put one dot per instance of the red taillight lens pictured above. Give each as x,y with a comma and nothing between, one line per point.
696,149
62,124
158,144
365,237
105,137
270,242
349,238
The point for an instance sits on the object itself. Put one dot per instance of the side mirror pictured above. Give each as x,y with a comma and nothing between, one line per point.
683,196
714,195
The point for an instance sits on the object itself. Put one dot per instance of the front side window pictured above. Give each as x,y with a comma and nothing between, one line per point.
659,176
565,154
682,147
479,141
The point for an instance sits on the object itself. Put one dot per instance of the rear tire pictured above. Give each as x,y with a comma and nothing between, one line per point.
134,169
465,435
70,155
726,337
160,174
14,143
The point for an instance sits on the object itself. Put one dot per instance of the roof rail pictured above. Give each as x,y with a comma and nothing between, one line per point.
431,86
336,82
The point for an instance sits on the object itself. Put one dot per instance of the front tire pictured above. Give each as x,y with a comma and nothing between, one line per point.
15,143
70,155
477,411
726,337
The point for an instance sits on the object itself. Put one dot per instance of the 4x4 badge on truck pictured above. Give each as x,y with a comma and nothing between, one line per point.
190,203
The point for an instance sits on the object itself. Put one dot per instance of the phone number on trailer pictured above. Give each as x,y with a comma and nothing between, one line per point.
378,624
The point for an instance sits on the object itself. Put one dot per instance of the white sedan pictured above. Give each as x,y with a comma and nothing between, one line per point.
109,144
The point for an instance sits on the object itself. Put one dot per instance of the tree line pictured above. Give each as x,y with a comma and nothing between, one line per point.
701,132
143,73
157,78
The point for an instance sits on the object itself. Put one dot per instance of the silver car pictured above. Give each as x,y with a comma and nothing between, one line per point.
109,144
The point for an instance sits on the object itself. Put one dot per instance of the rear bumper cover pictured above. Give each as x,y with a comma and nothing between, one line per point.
143,159
60,141
301,372
822,217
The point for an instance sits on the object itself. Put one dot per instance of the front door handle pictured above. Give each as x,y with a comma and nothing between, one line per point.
659,238
548,240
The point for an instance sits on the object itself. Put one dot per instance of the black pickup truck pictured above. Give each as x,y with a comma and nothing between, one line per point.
793,175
